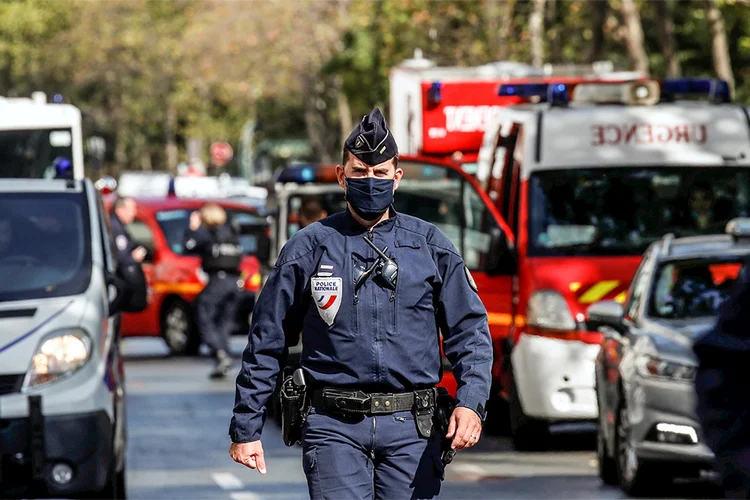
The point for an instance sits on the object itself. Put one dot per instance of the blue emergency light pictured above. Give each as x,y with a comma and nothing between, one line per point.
63,168
434,95
299,174
554,93
716,90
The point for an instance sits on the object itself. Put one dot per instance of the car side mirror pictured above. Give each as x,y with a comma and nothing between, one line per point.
501,259
605,313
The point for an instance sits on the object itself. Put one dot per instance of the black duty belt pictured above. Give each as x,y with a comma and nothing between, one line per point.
363,403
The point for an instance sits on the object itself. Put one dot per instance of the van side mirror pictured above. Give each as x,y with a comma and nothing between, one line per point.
605,313
501,258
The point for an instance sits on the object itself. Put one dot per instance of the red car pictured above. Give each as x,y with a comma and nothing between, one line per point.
175,279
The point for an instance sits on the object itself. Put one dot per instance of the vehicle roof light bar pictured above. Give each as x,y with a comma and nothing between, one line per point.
554,93
638,92
716,89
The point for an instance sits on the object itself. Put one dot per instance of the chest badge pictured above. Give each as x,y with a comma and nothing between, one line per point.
326,292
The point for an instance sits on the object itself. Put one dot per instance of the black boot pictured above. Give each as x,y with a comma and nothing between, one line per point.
223,363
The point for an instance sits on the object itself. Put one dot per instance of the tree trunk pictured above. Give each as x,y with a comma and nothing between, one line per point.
506,31
121,156
171,142
722,62
317,128
634,36
555,46
599,10
664,12
536,32
492,15
345,112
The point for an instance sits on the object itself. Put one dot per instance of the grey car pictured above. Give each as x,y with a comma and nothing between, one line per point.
648,430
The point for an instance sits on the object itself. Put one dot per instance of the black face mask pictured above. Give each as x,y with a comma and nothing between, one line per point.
369,197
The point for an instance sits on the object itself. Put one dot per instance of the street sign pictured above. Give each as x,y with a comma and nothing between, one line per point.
221,153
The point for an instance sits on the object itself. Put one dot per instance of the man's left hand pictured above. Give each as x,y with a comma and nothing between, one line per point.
465,428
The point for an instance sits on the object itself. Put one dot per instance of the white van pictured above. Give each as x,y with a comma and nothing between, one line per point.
62,420
38,138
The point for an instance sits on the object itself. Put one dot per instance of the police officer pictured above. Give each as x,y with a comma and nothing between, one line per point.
221,254
126,251
723,401
373,341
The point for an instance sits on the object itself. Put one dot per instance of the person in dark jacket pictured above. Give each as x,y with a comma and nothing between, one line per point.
214,240
126,250
723,399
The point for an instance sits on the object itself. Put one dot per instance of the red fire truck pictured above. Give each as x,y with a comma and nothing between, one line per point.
586,180
442,112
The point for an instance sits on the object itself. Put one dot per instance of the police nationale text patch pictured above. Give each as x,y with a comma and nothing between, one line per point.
326,292
470,279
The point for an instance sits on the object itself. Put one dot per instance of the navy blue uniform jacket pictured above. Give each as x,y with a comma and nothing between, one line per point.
124,245
378,341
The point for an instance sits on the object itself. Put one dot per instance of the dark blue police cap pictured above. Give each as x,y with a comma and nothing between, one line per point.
371,141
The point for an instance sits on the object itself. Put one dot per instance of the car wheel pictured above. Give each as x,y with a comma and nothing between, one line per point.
606,463
529,434
497,422
178,329
636,477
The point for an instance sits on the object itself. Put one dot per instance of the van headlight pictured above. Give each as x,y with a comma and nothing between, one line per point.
653,366
60,354
548,309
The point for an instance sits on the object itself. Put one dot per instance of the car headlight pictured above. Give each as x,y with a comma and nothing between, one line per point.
652,366
548,309
60,354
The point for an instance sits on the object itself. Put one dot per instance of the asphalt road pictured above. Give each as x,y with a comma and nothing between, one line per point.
178,421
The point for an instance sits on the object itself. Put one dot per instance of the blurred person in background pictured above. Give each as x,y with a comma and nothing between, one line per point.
126,251
311,210
213,239
701,206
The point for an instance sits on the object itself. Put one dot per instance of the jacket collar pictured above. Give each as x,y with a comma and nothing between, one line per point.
356,228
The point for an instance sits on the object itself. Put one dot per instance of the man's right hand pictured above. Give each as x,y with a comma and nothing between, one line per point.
249,455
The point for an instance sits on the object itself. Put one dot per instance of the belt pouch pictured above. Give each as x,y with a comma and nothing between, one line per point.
292,402
423,406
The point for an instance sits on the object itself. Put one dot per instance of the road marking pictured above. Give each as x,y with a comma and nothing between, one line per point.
244,495
227,481
469,469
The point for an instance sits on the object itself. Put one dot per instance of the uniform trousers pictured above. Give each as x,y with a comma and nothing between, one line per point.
217,310
366,457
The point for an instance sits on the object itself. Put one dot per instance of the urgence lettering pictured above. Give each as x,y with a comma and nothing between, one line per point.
648,133
469,118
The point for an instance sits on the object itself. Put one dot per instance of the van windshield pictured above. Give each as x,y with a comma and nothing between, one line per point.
620,211
45,245
31,154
